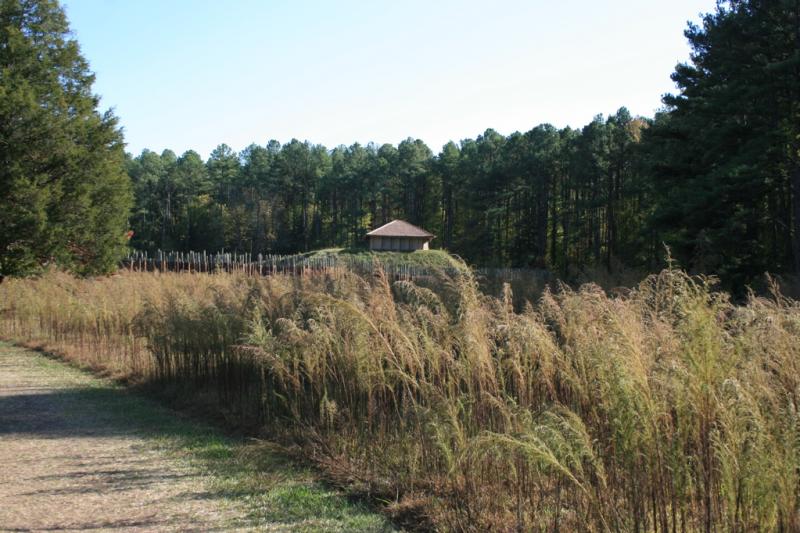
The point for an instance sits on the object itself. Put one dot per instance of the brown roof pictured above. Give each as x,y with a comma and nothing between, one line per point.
399,228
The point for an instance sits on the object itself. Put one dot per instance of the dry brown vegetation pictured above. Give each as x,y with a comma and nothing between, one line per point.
667,408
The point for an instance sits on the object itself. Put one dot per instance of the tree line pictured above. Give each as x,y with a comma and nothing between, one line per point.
546,198
715,175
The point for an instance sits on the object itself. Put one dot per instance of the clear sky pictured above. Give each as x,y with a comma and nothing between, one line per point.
191,74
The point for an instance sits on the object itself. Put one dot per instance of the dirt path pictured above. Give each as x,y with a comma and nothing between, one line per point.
67,462
75,455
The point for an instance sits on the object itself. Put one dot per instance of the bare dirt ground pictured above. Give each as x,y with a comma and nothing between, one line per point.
68,463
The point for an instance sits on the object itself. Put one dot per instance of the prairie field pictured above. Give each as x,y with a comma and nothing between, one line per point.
663,408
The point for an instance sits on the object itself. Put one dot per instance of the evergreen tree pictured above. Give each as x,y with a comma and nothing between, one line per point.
725,158
64,194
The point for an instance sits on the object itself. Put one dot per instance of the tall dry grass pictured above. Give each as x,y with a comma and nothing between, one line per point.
664,409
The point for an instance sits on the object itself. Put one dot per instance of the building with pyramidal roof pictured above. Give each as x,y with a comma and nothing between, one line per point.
399,236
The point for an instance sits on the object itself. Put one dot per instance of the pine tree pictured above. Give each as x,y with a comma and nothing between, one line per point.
64,193
725,158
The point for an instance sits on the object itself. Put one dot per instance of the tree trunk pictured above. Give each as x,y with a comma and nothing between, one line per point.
543,202
448,217
795,157
795,177
554,230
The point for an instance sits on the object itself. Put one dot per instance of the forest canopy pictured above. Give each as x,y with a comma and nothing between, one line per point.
714,176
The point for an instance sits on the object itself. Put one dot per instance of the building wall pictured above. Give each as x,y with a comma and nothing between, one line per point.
397,244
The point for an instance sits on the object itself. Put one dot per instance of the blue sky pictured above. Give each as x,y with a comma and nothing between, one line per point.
191,74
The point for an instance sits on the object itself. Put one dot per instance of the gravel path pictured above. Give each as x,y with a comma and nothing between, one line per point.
70,459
